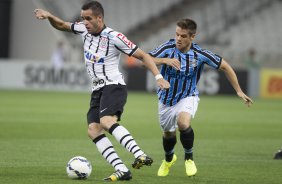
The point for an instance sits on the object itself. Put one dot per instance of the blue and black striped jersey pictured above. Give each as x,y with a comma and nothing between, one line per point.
183,82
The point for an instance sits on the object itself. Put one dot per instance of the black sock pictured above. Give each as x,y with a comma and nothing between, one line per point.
168,145
187,140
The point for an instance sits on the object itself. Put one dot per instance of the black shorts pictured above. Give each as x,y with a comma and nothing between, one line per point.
108,101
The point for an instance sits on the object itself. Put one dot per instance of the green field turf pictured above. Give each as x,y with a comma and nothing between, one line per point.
41,131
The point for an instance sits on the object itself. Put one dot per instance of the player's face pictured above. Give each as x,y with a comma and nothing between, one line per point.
183,39
92,23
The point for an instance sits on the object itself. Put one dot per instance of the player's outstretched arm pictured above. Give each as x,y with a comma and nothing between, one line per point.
54,21
231,76
173,62
149,63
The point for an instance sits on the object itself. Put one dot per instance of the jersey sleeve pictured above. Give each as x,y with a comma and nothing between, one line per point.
163,50
78,28
210,58
123,44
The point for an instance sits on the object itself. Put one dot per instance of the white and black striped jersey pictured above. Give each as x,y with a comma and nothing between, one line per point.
102,54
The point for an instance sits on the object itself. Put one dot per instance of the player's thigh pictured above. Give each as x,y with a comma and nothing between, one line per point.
94,108
186,110
108,121
167,118
113,100
184,120
188,105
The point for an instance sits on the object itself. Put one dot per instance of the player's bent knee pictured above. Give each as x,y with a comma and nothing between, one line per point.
169,134
183,125
108,121
94,130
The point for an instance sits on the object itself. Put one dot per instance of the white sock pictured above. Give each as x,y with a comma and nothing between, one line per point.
126,140
107,150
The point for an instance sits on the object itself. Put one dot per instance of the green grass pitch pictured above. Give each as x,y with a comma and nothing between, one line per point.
41,131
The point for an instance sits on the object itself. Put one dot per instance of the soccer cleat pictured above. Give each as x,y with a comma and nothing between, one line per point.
164,168
119,175
142,160
278,155
191,168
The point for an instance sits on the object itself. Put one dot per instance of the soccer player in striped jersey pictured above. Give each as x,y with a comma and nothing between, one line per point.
102,49
182,62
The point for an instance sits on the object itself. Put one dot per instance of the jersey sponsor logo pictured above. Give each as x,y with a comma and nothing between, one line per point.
125,40
179,75
93,58
98,82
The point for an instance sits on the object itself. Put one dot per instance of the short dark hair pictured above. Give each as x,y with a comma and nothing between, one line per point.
188,24
95,6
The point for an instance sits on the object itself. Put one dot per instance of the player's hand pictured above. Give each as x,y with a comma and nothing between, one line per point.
172,62
41,14
163,84
248,101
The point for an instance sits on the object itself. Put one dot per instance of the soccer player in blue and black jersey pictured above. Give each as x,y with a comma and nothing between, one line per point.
182,62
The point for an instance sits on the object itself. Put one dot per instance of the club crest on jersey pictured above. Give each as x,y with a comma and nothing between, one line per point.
93,58
104,42
193,63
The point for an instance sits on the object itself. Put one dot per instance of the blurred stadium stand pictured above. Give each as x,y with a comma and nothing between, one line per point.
121,15
229,28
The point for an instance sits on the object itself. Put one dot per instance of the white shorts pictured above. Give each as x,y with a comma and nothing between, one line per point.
168,114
